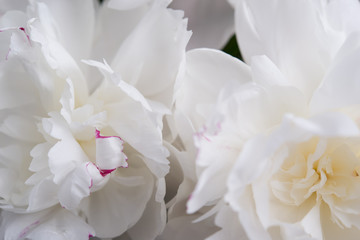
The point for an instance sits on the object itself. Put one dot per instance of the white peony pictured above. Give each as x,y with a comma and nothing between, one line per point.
81,140
280,151
195,96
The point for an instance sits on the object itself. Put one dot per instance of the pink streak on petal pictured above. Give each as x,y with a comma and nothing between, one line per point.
200,135
90,235
7,55
219,128
91,183
27,35
91,180
190,196
27,229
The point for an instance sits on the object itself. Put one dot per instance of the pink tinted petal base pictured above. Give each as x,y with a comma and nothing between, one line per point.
7,55
105,172
15,29
201,135
206,133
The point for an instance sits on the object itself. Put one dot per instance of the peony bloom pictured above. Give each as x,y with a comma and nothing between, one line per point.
195,96
278,158
84,89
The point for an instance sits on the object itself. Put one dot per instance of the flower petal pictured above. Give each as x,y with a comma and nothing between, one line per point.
20,127
75,187
112,37
150,57
340,86
62,58
267,28
115,80
206,72
20,84
211,21
331,230
43,195
70,23
153,220
53,223
109,152
64,157
130,121
117,206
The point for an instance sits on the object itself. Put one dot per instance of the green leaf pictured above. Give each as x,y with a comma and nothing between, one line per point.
232,48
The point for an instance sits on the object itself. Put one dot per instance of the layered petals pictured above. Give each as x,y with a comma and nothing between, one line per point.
43,225
80,134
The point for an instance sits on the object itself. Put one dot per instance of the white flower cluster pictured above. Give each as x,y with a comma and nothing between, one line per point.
115,124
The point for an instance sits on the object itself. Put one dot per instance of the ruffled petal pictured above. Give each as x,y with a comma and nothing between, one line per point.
117,81
291,129
340,86
20,84
43,195
109,152
211,21
54,223
64,157
130,121
70,23
331,230
58,56
22,128
267,28
75,187
150,57
153,220
206,72
108,38
121,202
